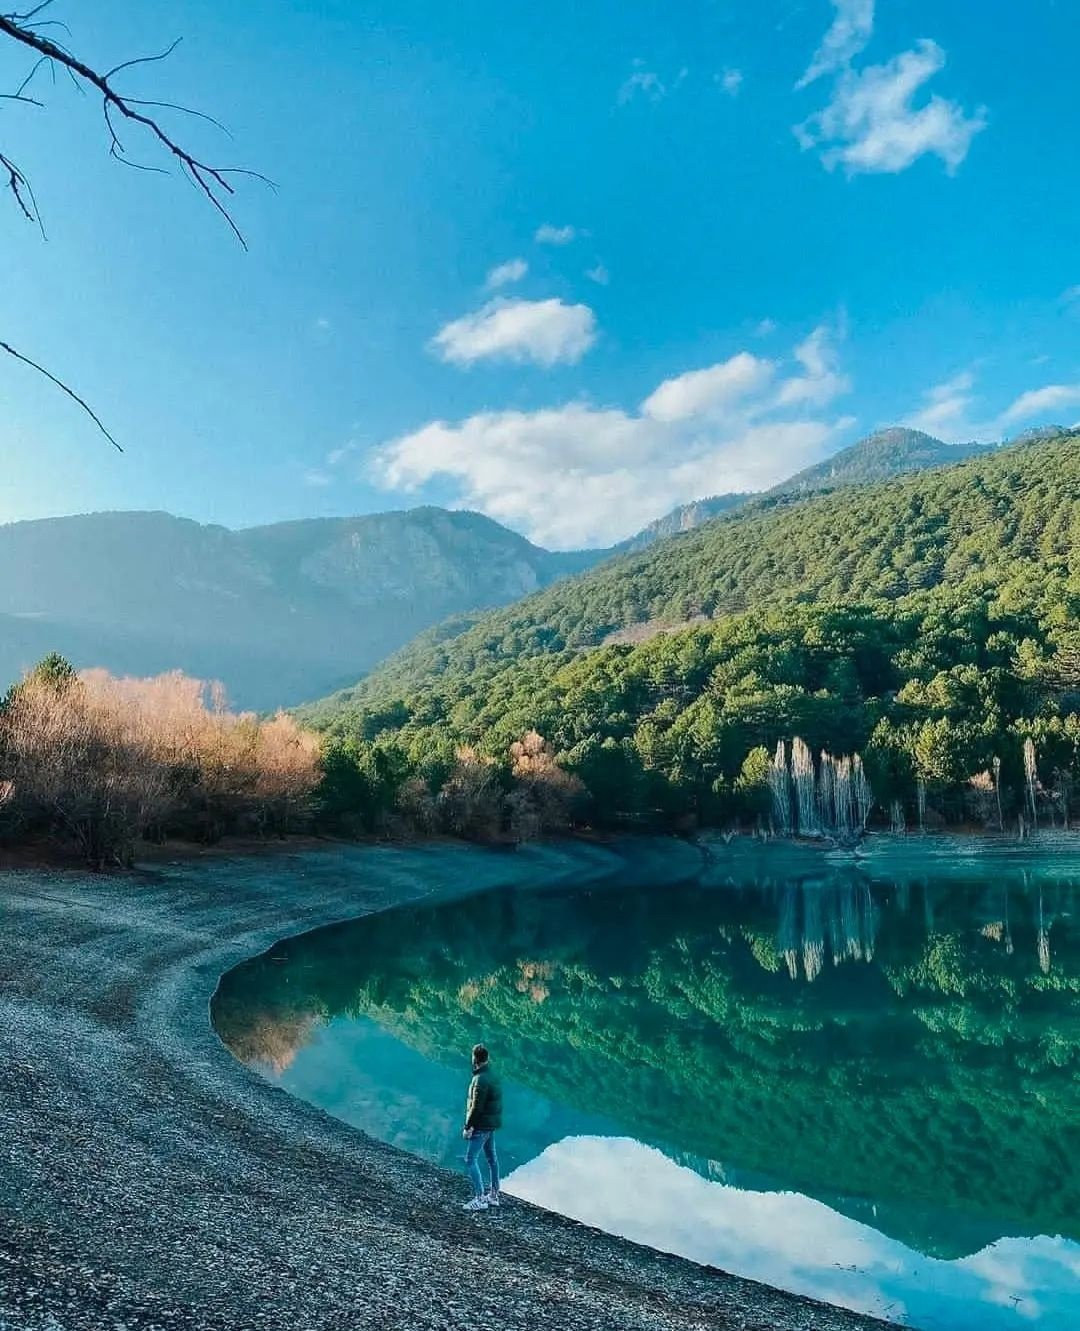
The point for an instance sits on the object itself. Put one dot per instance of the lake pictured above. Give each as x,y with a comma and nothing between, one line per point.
857,1082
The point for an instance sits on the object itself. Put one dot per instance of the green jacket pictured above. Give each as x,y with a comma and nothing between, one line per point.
483,1109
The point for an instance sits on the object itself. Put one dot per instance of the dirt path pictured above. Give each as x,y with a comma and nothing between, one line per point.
147,1180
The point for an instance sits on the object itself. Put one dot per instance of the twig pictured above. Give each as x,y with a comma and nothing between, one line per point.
4,346
23,192
211,181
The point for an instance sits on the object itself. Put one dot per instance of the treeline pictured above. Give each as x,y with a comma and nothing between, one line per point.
440,788
929,624
93,764
941,703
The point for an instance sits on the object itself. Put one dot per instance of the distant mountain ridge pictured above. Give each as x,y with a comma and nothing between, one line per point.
275,612
897,537
293,610
886,453
682,519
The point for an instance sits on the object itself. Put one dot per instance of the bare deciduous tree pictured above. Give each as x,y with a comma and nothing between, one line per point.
545,796
470,804
102,762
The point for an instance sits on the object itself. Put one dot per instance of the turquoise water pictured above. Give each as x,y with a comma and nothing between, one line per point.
859,1083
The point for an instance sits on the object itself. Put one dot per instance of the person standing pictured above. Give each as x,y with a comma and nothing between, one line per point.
483,1118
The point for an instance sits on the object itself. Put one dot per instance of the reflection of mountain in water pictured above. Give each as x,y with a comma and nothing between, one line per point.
908,1050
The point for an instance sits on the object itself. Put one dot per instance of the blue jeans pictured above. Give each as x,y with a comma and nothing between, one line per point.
481,1141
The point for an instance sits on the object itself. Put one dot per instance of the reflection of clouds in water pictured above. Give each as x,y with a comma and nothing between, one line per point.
785,1239
1036,1269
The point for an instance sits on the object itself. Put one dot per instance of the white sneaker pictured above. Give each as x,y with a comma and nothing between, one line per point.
493,1198
477,1204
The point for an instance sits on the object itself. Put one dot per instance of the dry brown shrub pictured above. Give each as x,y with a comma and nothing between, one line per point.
545,797
470,803
103,761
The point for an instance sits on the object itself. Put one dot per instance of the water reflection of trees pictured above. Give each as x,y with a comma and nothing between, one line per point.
915,1041
823,921
837,920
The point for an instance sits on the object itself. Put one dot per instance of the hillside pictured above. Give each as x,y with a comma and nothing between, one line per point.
857,543
670,584
682,519
286,612
928,621
278,612
879,457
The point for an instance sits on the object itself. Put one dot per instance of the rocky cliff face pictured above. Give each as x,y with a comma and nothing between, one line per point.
684,518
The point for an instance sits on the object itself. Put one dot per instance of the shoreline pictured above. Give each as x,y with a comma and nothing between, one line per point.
39,857
152,1181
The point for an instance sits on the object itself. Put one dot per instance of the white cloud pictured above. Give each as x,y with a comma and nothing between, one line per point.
316,479
946,410
821,380
545,332
793,1241
1040,402
580,474
951,410
872,124
700,393
850,32
555,235
644,83
504,274
731,81
598,274
648,84
765,327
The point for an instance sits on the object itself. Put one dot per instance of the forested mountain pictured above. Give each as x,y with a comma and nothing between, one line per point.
929,622
277,612
285,612
858,543
879,456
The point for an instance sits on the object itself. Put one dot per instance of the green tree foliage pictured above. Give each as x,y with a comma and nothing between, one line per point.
928,623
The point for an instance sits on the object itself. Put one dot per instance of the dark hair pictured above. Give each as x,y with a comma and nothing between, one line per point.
479,1053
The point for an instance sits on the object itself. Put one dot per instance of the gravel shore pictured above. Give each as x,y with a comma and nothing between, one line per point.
148,1180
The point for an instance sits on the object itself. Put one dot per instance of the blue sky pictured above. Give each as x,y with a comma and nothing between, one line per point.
732,238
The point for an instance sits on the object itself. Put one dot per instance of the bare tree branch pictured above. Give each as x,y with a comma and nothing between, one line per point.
4,346
211,181
25,18
26,28
143,60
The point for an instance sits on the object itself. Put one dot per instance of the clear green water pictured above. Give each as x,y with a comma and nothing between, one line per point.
861,1085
